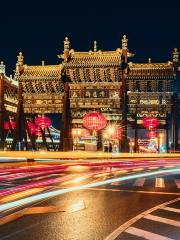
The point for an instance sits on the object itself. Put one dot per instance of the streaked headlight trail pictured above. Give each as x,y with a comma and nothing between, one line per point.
54,193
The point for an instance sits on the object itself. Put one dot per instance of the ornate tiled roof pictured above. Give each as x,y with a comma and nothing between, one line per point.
105,66
99,66
41,79
93,59
46,72
110,71
151,70
12,82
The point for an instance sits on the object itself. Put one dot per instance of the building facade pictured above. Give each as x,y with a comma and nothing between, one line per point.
93,81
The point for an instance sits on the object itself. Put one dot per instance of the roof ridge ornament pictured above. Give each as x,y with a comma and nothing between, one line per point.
124,41
175,55
20,59
95,46
19,64
66,44
2,68
175,58
66,49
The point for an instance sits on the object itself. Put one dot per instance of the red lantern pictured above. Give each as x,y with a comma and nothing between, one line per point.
150,122
151,134
38,131
32,128
117,134
8,124
94,121
43,122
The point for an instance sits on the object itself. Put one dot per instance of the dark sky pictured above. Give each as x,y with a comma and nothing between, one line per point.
38,28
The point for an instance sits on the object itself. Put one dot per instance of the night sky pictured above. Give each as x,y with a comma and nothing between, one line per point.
38,29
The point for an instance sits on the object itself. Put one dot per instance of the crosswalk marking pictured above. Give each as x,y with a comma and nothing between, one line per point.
159,183
139,182
162,220
171,209
177,181
127,226
145,234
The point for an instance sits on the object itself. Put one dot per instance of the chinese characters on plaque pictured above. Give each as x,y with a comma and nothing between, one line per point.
95,93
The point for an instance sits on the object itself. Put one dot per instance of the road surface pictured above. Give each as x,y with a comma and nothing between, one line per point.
90,200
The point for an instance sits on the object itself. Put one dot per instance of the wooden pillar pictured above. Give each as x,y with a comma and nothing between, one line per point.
167,139
136,135
66,143
2,112
124,142
19,133
174,122
99,140
167,133
124,69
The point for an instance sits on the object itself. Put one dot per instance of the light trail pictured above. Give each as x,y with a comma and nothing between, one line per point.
30,169
16,176
120,164
42,183
39,183
54,193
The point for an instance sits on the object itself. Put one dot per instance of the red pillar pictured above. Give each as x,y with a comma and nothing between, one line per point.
2,112
66,135
20,130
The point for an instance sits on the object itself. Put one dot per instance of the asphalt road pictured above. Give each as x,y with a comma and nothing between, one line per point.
107,202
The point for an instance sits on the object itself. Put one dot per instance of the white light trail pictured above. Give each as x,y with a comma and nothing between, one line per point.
42,196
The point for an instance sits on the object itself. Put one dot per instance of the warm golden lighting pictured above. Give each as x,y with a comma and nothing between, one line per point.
131,143
77,168
110,129
79,179
105,135
161,135
76,132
